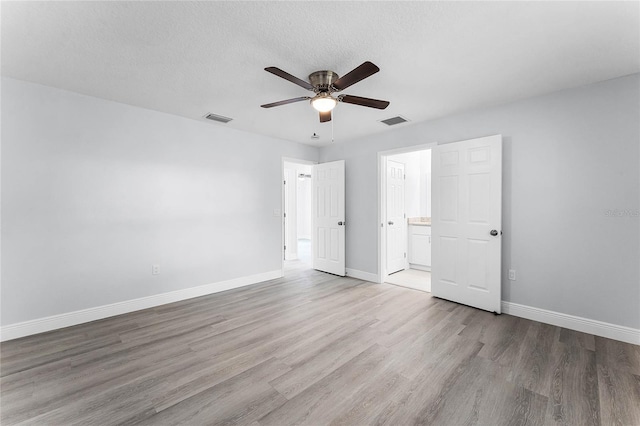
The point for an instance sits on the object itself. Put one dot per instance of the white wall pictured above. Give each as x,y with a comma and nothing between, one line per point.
304,202
569,158
95,192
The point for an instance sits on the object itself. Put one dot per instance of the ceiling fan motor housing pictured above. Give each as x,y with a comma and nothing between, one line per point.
322,81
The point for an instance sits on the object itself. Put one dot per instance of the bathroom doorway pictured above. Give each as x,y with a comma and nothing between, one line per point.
405,211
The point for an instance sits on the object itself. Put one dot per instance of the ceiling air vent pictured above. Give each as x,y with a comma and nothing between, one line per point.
394,120
218,118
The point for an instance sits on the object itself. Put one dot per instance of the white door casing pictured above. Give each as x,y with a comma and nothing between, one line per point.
395,226
467,211
329,217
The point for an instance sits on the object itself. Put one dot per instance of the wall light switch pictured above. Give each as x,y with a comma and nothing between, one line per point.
512,274
276,212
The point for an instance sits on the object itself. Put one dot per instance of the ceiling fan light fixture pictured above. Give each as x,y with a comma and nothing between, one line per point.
324,102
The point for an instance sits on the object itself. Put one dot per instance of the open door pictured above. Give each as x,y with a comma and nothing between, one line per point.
466,222
396,228
329,217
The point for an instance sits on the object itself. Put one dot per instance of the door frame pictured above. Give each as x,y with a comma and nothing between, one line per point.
282,204
382,185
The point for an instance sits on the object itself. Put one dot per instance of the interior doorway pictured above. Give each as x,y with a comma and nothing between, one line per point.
313,194
297,194
405,212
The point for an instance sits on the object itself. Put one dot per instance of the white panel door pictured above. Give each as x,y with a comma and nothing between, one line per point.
396,229
328,217
466,222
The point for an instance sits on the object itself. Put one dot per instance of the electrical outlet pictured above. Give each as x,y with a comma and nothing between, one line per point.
512,274
155,269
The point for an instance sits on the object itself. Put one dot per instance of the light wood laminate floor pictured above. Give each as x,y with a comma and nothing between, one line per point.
317,349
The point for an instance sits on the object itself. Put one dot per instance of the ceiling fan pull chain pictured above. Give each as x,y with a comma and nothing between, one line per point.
334,119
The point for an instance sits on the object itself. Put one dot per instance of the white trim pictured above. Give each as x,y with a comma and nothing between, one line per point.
40,325
362,275
298,161
585,325
407,149
382,215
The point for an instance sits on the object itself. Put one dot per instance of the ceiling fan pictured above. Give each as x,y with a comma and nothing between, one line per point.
324,83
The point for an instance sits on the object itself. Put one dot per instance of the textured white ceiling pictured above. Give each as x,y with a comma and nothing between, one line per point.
436,58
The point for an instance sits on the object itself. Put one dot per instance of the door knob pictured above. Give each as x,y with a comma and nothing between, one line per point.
494,232
390,223
340,223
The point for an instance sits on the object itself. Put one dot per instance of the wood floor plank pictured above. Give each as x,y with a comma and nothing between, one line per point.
533,367
314,404
503,339
313,348
365,406
523,408
413,329
619,393
240,399
413,355
574,388
111,402
470,401
16,363
618,355
58,392
393,317
422,398
322,361
577,338
199,377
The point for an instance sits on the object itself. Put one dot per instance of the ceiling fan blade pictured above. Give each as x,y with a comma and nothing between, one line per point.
287,76
357,100
287,101
325,116
359,73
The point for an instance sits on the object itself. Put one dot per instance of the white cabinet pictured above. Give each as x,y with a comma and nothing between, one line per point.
420,247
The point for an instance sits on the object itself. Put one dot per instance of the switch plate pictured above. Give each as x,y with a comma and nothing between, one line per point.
155,269
512,274
276,212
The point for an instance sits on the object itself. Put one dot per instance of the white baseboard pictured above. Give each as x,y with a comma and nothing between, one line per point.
361,275
40,325
585,325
